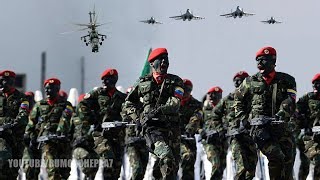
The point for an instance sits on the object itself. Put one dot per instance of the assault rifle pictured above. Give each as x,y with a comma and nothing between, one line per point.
208,135
187,138
114,124
262,120
42,139
6,126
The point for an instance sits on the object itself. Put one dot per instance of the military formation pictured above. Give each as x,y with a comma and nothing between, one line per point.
158,116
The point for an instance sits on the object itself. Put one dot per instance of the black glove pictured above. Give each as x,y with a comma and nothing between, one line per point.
26,140
308,131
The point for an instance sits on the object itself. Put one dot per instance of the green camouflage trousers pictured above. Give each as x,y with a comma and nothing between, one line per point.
57,158
88,161
313,153
138,158
188,158
305,162
111,153
244,153
167,152
280,151
5,155
216,154
31,158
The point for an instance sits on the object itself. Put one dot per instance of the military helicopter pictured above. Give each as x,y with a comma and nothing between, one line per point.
93,37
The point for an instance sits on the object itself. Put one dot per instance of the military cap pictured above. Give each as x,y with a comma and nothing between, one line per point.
241,74
109,72
52,81
155,53
267,51
81,97
29,93
215,89
187,82
63,94
316,77
8,73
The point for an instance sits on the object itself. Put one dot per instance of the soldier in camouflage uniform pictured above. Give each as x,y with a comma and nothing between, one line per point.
308,109
14,110
161,93
190,118
271,96
243,148
136,148
31,152
215,144
50,117
104,104
83,142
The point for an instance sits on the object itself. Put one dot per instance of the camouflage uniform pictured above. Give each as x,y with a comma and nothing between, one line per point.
109,144
83,143
162,131
243,148
13,109
274,140
305,162
308,106
52,119
135,144
190,116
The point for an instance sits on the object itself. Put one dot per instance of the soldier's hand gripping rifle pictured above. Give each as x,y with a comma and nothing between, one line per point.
208,135
7,126
51,137
316,130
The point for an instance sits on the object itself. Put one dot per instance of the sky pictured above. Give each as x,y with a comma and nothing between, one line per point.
208,52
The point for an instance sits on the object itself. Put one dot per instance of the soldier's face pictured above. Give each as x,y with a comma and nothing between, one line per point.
52,90
237,81
161,64
316,86
265,64
6,83
109,82
214,97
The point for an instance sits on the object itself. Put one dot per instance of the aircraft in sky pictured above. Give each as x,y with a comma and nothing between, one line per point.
152,20
237,13
272,20
187,16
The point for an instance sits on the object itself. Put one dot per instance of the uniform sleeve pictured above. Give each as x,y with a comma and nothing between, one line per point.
195,120
33,120
302,111
173,103
132,105
218,113
22,117
288,105
65,120
241,101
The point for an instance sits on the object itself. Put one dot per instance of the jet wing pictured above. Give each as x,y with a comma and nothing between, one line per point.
264,22
197,17
176,17
227,15
158,22
145,21
278,22
248,14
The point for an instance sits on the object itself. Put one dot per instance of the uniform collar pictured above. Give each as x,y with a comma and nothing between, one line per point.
158,77
269,77
52,101
111,92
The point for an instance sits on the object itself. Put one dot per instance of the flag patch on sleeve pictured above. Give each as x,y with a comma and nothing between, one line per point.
178,92
292,93
24,105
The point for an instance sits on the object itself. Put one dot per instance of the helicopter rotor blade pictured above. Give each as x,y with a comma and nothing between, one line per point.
79,24
102,24
68,32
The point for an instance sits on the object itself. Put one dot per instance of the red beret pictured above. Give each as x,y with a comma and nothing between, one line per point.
316,77
267,51
29,93
215,89
8,73
241,74
81,97
155,53
52,81
109,72
63,94
187,82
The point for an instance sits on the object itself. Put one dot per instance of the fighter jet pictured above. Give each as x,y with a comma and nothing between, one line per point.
237,13
151,21
188,15
272,20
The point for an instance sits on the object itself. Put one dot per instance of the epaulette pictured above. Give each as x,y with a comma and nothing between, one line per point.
285,76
